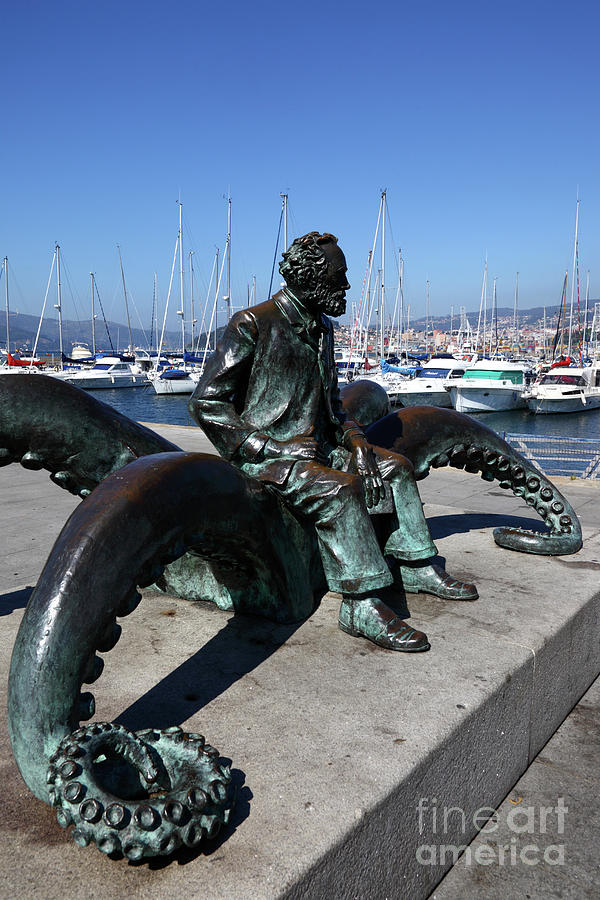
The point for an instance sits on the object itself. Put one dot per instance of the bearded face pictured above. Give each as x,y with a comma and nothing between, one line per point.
316,273
323,298
327,291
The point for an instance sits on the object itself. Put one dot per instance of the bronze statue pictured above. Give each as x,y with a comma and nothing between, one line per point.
249,537
269,401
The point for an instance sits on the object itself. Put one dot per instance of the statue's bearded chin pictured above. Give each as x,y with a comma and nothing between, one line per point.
322,298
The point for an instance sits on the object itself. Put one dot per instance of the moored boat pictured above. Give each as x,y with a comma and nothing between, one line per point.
566,389
491,386
174,380
107,372
430,385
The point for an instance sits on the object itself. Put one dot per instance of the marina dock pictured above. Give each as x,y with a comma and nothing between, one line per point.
341,752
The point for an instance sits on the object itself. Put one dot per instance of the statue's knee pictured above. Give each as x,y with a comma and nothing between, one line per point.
398,466
349,486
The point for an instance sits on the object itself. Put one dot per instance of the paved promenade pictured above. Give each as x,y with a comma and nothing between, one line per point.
348,758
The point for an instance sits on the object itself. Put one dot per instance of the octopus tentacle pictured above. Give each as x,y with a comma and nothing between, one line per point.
133,524
152,809
432,438
148,792
48,424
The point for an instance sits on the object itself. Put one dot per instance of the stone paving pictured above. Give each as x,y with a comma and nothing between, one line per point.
334,742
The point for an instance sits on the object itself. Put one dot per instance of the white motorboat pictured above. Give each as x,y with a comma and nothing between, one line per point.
350,364
391,381
566,389
491,386
107,372
390,377
431,383
175,380
81,351
147,360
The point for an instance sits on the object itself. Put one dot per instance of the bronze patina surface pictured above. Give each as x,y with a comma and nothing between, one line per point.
316,489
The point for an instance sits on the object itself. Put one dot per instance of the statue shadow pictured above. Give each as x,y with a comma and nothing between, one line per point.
237,649
240,796
462,523
15,600
444,526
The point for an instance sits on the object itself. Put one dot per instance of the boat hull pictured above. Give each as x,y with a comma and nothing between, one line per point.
104,382
484,399
425,397
163,386
551,405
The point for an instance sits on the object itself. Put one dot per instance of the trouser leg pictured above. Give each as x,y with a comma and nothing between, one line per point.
409,538
334,503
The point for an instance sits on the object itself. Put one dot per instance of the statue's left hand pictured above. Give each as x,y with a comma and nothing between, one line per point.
363,463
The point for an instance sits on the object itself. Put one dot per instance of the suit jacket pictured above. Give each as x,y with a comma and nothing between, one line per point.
270,377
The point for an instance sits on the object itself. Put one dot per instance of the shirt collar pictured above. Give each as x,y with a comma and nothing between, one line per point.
299,315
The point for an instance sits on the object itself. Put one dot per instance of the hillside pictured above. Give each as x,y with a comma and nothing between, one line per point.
23,329
532,317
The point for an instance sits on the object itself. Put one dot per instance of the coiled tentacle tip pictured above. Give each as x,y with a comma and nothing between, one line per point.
543,543
174,789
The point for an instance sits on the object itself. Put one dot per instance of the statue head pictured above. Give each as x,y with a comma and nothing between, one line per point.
314,268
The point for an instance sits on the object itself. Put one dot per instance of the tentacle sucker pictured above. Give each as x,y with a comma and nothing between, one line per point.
137,520
48,424
168,790
438,437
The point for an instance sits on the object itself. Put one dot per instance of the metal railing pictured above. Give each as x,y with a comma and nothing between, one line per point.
559,455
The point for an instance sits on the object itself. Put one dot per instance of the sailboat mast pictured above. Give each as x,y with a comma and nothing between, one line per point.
562,316
217,279
585,318
58,305
427,316
382,303
154,323
516,314
181,311
494,323
485,305
573,277
544,352
93,317
7,309
481,302
401,311
284,198
126,303
228,251
368,323
191,253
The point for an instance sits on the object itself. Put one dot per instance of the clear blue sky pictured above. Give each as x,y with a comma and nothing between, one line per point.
481,121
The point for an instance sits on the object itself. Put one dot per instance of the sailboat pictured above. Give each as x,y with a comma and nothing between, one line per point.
567,387
175,379
12,364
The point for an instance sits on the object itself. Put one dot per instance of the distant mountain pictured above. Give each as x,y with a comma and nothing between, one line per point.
23,329
532,317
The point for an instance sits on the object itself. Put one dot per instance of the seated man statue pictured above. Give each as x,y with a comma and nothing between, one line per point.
269,402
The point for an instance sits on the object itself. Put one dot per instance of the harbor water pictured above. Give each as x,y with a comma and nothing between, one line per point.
143,405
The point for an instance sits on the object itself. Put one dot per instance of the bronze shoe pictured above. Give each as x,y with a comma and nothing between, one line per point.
432,579
370,618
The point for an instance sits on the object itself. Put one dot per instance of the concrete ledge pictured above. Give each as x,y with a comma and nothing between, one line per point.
334,742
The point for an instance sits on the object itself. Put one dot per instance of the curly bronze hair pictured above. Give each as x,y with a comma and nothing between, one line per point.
304,263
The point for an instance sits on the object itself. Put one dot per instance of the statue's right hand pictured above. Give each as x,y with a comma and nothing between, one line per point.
302,447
